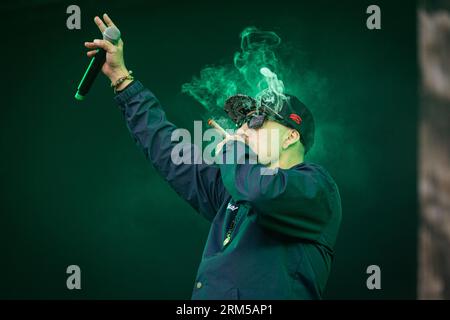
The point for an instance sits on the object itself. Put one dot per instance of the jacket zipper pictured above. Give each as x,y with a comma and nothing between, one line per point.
232,227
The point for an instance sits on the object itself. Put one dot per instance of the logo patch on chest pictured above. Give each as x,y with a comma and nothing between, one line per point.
232,207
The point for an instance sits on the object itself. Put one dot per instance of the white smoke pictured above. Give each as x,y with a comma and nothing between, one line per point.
272,97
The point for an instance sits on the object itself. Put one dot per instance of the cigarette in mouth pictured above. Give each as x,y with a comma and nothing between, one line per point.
216,126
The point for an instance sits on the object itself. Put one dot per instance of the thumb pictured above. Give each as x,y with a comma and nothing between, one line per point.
105,45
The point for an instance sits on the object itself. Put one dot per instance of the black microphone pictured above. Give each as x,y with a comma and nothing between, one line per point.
111,34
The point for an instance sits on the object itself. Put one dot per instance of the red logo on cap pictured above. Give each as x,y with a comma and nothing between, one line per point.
296,118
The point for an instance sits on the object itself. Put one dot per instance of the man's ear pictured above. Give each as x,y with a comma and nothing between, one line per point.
292,137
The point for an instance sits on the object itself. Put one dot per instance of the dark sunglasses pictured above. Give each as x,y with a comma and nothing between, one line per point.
256,121
253,121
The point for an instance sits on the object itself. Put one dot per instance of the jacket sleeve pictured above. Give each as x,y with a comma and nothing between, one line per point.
288,201
199,184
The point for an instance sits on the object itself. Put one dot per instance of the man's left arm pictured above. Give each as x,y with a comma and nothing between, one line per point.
290,201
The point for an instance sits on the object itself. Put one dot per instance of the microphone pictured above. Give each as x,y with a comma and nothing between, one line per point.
111,34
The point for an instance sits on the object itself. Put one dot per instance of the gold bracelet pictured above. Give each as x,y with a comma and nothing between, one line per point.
121,80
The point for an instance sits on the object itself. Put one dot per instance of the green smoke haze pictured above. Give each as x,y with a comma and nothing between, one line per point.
258,49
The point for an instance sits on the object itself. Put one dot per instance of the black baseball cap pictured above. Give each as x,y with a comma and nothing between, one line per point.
293,114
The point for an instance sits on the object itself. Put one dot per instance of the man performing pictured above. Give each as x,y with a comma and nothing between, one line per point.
272,236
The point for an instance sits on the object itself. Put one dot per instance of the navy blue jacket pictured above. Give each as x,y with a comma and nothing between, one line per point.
285,224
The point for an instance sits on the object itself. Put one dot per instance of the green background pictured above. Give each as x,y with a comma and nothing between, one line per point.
76,190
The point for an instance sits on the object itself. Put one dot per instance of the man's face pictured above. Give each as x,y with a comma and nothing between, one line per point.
267,141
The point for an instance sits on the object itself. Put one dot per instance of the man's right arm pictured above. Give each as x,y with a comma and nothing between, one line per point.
199,184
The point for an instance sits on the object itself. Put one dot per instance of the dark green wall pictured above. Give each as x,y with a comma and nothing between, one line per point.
76,190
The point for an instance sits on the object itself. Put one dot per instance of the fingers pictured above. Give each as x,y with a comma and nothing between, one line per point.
120,44
90,45
108,20
241,138
242,131
91,53
105,45
219,146
222,143
99,24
